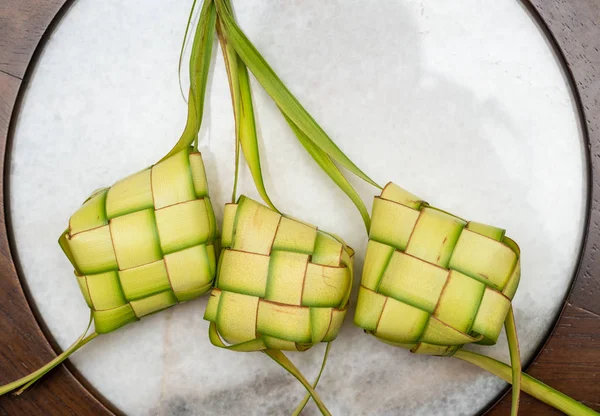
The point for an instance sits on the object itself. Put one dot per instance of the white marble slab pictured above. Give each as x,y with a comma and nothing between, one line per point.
461,102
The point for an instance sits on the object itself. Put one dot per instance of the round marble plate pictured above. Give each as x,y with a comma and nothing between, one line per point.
462,103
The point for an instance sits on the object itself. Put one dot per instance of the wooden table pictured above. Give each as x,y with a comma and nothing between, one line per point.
570,359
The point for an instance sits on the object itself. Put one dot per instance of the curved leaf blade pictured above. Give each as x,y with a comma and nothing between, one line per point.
330,168
245,122
286,101
199,66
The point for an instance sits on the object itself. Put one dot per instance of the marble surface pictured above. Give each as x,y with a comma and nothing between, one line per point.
461,102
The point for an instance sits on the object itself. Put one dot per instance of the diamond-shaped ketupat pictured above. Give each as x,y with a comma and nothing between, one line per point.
433,282
281,284
146,243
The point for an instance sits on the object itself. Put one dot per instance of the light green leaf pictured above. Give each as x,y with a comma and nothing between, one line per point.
515,360
230,59
281,359
183,43
199,66
530,385
304,401
257,344
281,95
247,133
243,109
30,379
325,162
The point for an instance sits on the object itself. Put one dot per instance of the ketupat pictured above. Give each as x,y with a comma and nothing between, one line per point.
140,246
433,282
281,285
144,244
451,280
147,242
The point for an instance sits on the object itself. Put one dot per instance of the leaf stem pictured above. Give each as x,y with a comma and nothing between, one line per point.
183,44
286,101
243,110
304,401
515,360
28,380
230,60
199,67
331,169
281,359
529,384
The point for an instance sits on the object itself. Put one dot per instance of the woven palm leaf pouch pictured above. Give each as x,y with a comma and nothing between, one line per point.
450,281
282,284
433,282
144,244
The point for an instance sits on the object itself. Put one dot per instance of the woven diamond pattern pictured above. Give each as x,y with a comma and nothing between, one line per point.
433,282
144,244
279,280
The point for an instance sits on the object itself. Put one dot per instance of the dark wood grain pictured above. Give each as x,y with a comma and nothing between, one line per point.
570,361
575,26
22,24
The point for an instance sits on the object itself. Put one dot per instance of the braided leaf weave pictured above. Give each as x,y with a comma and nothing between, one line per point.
433,282
144,244
281,282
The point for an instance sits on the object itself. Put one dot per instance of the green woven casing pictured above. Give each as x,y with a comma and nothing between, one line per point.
144,244
433,282
279,279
